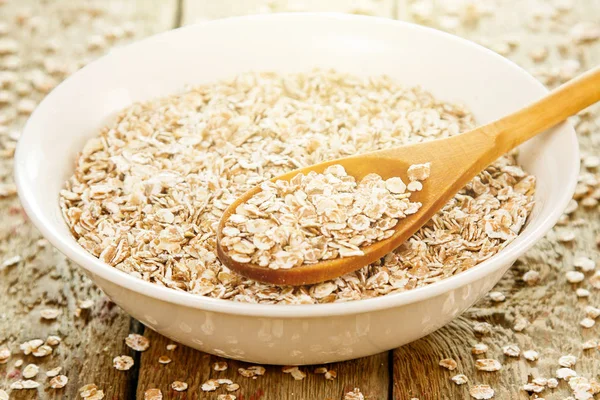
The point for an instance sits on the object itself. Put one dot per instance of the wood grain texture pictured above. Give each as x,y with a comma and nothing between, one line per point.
194,367
45,279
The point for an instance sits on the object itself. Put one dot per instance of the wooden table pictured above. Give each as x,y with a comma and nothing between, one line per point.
58,36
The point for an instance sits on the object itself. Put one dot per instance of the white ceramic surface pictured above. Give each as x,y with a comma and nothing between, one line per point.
450,67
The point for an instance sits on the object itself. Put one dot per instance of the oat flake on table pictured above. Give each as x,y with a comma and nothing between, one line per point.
148,192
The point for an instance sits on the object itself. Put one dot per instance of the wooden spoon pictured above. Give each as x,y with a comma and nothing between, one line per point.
454,162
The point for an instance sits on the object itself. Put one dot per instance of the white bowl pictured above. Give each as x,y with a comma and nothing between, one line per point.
450,67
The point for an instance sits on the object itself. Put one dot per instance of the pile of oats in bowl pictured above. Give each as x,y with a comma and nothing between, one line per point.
148,192
317,217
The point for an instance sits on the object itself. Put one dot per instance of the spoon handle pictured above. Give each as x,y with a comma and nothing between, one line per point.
563,102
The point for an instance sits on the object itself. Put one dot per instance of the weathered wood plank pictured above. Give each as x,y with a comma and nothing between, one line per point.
552,308
193,367
53,39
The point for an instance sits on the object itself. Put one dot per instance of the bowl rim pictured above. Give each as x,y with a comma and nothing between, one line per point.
98,268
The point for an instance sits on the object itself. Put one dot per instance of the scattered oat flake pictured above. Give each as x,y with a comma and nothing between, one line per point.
164,360
9,262
511,350
592,312
220,366
210,385
30,371
520,324
567,361
552,383
586,264
531,355
86,304
226,396
171,347
153,394
4,355
252,371
488,365
532,387
232,387
53,340
123,363
531,277
581,292
574,276
18,363
565,373
460,379
3,395
27,384
448,363
297,374
330,375
137,342
42,351
540,381
590,344
481,392
53,372
58,382
479,348
497,297
482,328
320,370
587,322
595,279
50,313
179,386
87,390
354,395
566,236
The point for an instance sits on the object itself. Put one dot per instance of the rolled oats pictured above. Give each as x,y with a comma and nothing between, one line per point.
488,365
460,379
497,297
58,382
123,363
186,157
4,355
26,384
567,361
448,363
481,392
511,350
51,373
137,342
587,323
531,277
30,371
565,373
354,395
220,366
164,360
179,386
479,348
153,394
531,355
